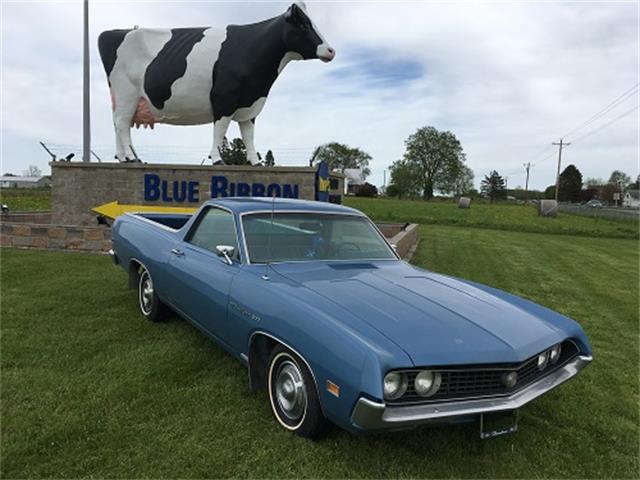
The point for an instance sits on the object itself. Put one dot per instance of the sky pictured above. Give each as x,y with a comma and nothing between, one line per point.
507,78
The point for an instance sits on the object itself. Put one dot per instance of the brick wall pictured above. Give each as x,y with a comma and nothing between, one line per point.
78,187
25,217
55,237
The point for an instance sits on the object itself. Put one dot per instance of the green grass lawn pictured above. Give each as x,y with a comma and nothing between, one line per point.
90,389
502,216
26,199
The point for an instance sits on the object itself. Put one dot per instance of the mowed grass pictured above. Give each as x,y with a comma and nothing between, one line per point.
502,216
90,389
26,199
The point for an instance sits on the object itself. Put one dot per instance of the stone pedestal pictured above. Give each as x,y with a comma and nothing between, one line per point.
79,187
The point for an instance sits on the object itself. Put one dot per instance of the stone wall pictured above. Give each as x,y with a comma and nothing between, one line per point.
78,187
55,237
404,236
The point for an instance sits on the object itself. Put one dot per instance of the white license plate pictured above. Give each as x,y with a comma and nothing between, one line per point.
498,423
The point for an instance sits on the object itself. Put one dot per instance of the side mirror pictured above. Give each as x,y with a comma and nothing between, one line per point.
226,251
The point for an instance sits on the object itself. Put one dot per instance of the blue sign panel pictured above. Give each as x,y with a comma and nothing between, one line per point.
180,191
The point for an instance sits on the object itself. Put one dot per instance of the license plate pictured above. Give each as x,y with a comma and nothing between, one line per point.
498,423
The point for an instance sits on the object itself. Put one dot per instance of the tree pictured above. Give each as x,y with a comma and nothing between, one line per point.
461,184
493,186
570,184
437,157
340,157
619,178
269,161
32,171
404,180
550,192
392,191
234,153
635,185
594,182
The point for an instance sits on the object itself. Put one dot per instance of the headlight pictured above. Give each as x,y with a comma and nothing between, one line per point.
427,383
554,353
395,384
543,359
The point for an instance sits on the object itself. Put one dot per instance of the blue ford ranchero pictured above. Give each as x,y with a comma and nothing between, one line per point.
337,328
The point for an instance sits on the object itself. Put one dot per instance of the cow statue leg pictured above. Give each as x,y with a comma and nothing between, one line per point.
247,131
125,104
219,131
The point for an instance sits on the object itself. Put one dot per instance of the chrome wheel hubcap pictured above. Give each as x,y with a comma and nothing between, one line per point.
290,391
146,293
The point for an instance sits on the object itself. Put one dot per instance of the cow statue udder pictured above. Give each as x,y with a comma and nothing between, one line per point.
192,76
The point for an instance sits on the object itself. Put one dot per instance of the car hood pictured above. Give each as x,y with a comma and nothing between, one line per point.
435,319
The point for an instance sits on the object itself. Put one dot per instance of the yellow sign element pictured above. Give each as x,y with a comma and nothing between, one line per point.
114,209
324,185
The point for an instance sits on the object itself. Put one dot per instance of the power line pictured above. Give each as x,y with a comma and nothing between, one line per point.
602,127
619,100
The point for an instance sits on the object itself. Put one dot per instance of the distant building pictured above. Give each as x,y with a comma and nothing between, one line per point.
353,180
9,181
631,199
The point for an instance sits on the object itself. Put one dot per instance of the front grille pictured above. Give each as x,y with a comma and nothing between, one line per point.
483,380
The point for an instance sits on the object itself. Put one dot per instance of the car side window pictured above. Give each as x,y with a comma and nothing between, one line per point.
214,227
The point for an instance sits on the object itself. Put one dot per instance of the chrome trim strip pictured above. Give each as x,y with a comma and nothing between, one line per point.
370,415
355,213
202,211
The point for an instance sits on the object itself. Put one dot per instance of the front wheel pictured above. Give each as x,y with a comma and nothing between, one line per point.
292,394
151,306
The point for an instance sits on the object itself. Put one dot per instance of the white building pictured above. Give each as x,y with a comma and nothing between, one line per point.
353,180
631,199
9,181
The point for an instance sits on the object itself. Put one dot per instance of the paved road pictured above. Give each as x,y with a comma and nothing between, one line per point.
606,212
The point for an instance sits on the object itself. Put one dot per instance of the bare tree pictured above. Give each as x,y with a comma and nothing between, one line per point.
32,171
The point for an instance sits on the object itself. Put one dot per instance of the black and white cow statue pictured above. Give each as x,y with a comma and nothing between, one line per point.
192,76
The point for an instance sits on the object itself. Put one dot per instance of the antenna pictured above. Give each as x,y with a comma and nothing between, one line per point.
53,156
266,265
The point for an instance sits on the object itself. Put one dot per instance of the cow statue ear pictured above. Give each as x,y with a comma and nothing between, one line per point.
292,14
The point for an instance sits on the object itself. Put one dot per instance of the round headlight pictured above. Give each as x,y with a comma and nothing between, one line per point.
554,353
395,384
543,359
427,383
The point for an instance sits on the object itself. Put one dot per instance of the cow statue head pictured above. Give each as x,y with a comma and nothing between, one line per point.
302,37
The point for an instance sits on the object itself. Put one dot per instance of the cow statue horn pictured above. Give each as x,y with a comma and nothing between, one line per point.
193,76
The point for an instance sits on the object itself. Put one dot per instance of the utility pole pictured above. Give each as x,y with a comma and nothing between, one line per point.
86,120
560,145
527,166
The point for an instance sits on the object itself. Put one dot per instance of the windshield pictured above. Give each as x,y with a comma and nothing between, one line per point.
295,237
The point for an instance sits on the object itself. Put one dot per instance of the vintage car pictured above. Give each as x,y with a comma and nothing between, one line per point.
336,327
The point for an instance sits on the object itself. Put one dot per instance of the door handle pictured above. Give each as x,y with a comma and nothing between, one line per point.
177,252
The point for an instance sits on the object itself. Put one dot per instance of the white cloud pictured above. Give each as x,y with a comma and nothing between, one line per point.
506,78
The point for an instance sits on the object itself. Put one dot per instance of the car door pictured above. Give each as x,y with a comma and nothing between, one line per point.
202,277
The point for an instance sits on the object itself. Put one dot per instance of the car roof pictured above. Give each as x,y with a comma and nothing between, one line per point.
242,205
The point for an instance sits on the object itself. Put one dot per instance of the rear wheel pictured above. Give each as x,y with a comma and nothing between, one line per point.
292,394
150,305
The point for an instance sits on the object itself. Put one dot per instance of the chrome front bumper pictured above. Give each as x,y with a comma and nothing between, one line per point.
370,415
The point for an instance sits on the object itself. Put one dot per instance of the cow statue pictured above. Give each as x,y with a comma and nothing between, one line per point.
192,76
